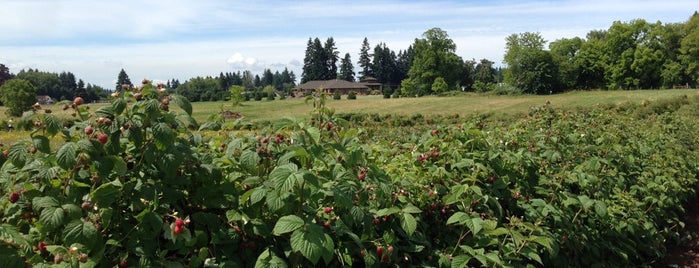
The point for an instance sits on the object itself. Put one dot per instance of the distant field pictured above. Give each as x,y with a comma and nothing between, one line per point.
463,104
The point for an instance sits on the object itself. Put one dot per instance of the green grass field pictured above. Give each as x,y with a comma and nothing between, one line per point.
464,104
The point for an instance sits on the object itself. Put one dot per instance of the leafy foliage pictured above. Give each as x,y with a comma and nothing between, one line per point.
133,185
18,96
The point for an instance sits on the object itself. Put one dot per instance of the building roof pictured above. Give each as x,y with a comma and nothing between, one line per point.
331,84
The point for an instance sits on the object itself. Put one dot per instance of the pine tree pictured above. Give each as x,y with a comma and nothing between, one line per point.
123,79
365,60
346,69
331,58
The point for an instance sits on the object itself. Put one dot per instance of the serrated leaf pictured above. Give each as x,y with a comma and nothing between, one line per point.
600,208
210,125
460,261
287,224
42,144
106,194
66,156
458,217
411,209
18,154
475,224
408,223
53,124
286,177
163,135
310,243
52,217
182,102
313,133
249,160
274,201
10,233
39,203
269,259
81,232
387,211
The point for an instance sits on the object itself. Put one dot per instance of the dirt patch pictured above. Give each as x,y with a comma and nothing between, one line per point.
231,115
687,253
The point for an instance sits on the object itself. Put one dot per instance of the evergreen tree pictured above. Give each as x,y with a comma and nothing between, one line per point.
67,85
4,74
80,90
123,79
346,69
331,58
365,60
384,64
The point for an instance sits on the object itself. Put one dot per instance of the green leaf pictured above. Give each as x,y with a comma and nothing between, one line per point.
458,217
39,203
312,243
460,261
313,133
52,217
585,201
249,160
408,223
287,224
387,211
66,156
182,102
475,224
42,144
163,135
18,154
80,232
600,208
411,209
106,194
53,124
10,233
269,259
286,177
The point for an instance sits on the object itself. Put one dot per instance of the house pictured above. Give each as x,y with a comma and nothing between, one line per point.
331,86
44,99
372,83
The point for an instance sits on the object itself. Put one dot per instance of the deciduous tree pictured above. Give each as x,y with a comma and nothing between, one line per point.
434,57
530,68
18,96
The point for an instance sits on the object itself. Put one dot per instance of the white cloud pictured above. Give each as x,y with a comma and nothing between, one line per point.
182,39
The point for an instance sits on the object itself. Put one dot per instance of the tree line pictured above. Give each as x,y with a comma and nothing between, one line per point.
629,55
19,91
218,88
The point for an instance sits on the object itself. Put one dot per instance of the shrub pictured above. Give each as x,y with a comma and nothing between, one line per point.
352,95
336,95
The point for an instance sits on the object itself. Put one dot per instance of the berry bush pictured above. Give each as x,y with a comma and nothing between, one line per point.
133,185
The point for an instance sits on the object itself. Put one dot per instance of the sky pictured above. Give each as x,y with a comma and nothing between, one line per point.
166,39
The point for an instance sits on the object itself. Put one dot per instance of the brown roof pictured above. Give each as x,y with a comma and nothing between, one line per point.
331,84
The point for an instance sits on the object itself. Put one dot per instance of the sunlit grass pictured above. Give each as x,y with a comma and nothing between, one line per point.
466,104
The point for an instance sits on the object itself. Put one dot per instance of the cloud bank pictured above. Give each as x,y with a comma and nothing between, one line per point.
182,39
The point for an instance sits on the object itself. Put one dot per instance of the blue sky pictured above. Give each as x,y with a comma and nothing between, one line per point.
164,39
